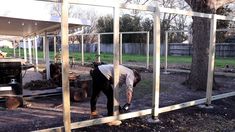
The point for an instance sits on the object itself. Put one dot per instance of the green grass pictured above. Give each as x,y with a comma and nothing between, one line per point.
108,57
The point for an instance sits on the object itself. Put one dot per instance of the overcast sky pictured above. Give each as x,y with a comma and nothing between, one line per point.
35,8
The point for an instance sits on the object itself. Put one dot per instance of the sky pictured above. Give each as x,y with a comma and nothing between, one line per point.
37,8
26,7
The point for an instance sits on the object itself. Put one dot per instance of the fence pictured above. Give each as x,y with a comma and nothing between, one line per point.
222,49
155,110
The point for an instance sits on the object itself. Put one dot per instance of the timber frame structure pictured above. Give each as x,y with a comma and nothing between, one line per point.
155,110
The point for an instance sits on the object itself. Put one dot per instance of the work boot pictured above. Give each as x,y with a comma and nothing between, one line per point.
115,123
95,115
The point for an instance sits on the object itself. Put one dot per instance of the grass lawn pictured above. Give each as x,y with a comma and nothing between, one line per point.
107,57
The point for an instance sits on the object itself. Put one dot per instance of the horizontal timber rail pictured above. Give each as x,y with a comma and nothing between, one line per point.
145,8
227,74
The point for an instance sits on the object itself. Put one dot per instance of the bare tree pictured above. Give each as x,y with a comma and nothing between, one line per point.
201,36
90,15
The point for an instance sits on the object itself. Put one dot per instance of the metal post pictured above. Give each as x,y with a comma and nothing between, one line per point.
156,65
30,50
147,51
120,59
211,60
33,48
116,51
54,48
47,56
98,49
36,52
44,45
82,50
25,52
19,50
65,65
14,49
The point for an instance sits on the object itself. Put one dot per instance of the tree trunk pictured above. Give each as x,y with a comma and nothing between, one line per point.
199,66
201,40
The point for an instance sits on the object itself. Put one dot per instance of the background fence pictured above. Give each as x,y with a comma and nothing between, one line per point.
174,49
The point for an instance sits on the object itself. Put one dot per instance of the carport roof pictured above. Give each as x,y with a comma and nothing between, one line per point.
22,25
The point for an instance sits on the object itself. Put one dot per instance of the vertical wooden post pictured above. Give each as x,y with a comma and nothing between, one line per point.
147,51
98,49
156,64
65,66
47,56
116,51
82,49
120,59
25,52
54,48
211,60
166,50
30,50
36,52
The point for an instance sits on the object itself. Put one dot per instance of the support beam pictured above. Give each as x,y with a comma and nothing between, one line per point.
98,49
25,52
47,56
156,65
36,53
65,66
211,60
116,51
30,51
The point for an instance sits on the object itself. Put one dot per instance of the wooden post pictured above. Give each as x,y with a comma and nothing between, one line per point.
211,60
54,48
30,50
116,51
98,49
25,52
147,51
82,50
65,66
47,56
156,65
166,50
120,59
36,52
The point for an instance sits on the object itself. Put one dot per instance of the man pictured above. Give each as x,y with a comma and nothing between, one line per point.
102,77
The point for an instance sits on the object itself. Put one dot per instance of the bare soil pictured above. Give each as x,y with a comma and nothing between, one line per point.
47,112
